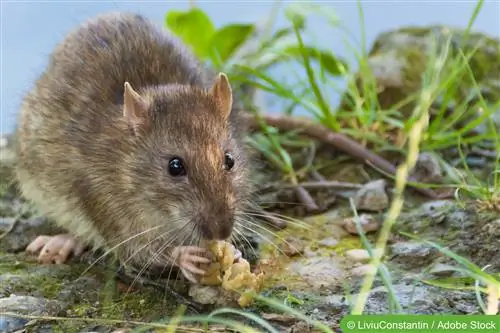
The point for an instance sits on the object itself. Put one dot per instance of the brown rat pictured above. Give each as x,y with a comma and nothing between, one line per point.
127,143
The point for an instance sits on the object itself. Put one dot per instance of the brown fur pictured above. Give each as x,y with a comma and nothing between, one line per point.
82,161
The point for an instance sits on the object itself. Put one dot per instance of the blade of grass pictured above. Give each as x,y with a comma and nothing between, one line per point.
286,309
326,113
430,84
251,316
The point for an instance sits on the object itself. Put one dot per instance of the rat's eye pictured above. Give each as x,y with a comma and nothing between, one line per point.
176,167
228,161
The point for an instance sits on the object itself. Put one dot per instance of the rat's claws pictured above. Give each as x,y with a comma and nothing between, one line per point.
187,258
55,249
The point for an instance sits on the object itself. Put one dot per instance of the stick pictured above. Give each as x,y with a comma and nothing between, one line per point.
337,140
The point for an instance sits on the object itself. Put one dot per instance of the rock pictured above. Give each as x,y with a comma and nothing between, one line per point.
431,214
363,270
413,255
337,301
83,289
33,306
204,294
292,246
300,327
442,270
308,252
10,324
372,196
368,224
420,299
318,271
20,234
427,169
359,255
493,229
399,57
328,242
437,207
280,318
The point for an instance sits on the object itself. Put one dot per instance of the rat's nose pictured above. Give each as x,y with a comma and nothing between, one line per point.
219,229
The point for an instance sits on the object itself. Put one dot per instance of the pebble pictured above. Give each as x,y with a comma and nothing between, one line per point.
204,294
413,254
372,196
359,255
368,224
83,289
427,169
28,305
319,271
328,242
437,210
12,324
493,228
292,246
442,270
363,270
23,232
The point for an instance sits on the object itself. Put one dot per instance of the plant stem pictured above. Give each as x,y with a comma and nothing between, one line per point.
402,173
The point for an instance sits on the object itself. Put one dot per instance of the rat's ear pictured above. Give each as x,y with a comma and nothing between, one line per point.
135,108
223,95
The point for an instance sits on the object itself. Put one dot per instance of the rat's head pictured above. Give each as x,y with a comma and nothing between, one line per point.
187,168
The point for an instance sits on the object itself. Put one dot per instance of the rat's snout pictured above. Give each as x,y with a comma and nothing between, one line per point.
216,227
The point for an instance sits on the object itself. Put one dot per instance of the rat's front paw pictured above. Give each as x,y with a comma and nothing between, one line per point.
55,249
187,259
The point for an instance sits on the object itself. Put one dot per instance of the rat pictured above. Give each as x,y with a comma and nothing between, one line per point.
129,144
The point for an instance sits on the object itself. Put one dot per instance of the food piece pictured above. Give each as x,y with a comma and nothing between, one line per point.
232,276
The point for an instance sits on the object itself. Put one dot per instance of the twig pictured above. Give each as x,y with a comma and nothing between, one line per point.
337,140
317,176
304,197
323,184
102,321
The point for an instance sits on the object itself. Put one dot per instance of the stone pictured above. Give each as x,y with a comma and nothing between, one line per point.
399,57
319,271
420,299
19,233
363,270
493,229
372,196
413,255
442,270
427,169
33,306
368,224
292,246
328,242
359,255
204,294
12,324
82,289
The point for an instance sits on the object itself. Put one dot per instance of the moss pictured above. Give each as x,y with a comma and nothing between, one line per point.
348,243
